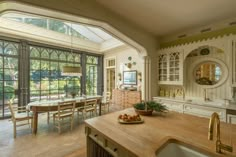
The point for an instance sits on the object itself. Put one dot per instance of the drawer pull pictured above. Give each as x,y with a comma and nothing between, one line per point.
95,135
115,149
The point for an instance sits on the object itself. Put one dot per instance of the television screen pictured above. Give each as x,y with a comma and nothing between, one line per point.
130,77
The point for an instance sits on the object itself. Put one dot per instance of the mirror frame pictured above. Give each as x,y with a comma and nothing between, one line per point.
222,65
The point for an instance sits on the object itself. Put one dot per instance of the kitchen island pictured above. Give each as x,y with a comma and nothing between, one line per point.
106,134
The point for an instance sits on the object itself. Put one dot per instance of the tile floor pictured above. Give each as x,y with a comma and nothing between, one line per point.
47,142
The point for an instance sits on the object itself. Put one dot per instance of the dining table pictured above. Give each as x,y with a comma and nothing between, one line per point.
52,105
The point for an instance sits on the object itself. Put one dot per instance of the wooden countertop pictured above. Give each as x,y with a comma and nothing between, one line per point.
146,138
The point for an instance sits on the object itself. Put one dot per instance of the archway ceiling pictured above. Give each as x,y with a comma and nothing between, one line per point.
84,37
167,17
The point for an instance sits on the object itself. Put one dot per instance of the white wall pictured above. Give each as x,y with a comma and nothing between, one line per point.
194,90
121,56
224,43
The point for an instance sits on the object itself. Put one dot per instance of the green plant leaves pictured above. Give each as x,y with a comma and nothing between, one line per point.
151,105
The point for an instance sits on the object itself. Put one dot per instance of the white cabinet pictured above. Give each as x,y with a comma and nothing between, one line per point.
170,68
98,143
231,118
174,106
171,105
182,106
234,63
204,111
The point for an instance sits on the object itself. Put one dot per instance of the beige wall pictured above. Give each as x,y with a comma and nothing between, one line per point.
121,56
221,92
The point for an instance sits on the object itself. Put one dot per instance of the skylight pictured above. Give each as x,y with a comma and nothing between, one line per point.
85,32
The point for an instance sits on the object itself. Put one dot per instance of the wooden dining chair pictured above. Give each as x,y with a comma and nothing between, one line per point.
90,106
20,116
65,110
106,102
80,109
50,113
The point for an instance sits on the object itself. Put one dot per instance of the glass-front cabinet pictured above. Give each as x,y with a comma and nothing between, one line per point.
174,60
170,68
163,67
234,63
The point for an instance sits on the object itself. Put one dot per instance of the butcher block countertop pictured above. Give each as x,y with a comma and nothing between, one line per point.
144,139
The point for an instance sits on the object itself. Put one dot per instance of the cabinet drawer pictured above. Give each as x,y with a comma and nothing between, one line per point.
112,148
156,99
174,106
231,119
131,94
133,101
128,105
97,137
108,145
203,111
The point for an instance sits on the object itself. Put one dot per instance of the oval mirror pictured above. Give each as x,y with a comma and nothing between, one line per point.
208,73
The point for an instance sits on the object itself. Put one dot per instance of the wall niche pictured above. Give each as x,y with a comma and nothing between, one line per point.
205,68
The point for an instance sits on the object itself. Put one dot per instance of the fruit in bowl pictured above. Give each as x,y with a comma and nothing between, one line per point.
129,118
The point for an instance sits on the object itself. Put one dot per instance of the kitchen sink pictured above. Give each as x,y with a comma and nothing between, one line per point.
175,148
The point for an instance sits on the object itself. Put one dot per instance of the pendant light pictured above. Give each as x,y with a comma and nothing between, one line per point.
71,70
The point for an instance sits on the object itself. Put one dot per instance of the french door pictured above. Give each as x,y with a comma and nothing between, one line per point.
31,71
14,72
9,75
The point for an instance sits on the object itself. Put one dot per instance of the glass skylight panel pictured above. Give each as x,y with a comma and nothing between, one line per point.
82,31
100,33
49,24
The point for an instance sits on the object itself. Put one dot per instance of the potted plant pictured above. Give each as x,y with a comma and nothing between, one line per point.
146,108
73,94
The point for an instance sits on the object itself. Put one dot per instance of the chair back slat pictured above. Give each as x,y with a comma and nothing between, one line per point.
90,103
12,109
66,105
106,97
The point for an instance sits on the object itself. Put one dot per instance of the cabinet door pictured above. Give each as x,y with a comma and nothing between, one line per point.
170,68
99,145
173,106
231,118
133,97
203,111
174,66
234,63
162,67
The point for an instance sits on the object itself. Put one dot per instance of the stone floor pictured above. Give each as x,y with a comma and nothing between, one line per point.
47,142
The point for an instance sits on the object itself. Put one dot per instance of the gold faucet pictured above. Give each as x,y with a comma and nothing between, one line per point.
219,146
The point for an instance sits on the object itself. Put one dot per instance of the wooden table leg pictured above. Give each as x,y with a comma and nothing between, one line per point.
100,108
35,120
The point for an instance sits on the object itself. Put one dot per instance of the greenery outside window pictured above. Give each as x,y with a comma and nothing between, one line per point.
91,75
46,81
8,74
